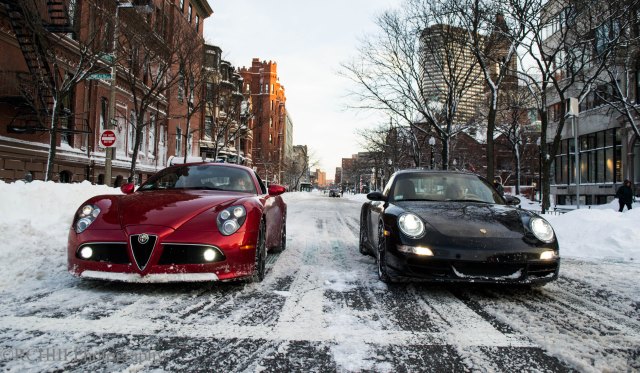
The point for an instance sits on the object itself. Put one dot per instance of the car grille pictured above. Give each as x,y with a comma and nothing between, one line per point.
542,270
445,269
173,253
487,269
109,252
142,251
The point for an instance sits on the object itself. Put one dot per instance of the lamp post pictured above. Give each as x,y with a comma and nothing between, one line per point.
573,111
539,143
432,142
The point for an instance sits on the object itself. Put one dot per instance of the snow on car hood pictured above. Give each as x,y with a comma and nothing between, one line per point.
469,219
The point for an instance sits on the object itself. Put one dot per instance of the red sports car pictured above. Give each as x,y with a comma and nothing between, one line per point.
191,222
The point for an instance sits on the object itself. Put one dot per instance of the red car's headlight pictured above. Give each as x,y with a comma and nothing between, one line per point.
86,216
231,219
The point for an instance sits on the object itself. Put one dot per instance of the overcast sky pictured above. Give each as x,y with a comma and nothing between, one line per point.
308,40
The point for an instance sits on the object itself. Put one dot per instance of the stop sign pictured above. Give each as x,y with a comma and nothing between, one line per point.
107,138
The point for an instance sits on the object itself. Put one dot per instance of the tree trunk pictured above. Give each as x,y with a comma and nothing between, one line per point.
53,141
134,157
516,149
491,125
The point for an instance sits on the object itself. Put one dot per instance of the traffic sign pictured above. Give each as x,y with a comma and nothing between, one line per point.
107,138
99,76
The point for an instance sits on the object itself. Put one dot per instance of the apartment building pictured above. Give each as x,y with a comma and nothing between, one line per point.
272,124
42,43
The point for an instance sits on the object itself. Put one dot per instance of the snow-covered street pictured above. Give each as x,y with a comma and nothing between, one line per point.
320,307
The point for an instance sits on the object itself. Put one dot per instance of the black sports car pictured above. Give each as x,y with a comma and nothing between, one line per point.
455,227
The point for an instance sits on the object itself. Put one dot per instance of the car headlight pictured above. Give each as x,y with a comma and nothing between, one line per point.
231,219
541,229
411,225
86,216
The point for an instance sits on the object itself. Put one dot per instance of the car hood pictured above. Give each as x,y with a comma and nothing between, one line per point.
168,208
469,219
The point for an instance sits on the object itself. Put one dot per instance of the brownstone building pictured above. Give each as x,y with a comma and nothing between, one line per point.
29,75
262,85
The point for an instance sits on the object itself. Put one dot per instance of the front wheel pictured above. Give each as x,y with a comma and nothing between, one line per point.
283,236
362,246
261,257
383,273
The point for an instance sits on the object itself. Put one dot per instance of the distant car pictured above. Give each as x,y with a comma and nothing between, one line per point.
455,227
334,193
191,222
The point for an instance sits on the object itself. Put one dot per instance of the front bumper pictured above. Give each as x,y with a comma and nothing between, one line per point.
521,266
175,256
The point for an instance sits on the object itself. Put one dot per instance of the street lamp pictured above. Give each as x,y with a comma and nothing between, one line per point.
145,8
573,111
432,142
539,143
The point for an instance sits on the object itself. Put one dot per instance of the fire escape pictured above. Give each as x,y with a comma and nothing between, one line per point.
32,96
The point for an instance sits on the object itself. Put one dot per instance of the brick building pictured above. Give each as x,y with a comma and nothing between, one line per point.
30,29
271,120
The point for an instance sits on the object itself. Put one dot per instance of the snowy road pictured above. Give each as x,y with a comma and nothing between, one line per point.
320,308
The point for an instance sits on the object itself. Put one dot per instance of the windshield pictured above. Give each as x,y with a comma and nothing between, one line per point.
443,187
203,177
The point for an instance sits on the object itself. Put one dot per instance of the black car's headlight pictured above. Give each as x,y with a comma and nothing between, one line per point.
541,229
231,219
411,225
86,216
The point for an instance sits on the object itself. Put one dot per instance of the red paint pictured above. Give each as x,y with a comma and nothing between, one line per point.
181,216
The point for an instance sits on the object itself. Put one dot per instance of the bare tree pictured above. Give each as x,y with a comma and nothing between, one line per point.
493,38
417,69
58,59
513,122
225,105
564,53
614,87
147,57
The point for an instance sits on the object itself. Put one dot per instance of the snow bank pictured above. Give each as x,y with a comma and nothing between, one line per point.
34,222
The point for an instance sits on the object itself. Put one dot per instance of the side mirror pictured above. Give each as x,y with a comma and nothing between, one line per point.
127,188
376,196
511,200
276,190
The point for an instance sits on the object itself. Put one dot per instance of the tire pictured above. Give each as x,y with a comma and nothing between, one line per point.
383,273
362,246
283,237
261,256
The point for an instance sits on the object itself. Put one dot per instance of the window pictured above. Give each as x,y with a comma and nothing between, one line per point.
190,13
103,113
208,127
131,131
181,84
189,144
178,141
161,135
197,23
637,75
209,92
182,6
152,135
606,33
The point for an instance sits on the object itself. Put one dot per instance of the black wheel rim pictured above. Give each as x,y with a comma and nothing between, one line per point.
260,255
381,263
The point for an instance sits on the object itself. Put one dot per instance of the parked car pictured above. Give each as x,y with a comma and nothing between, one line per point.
334,193
191,222
454,226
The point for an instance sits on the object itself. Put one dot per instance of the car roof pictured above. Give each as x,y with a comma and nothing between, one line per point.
214,164
428,171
